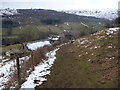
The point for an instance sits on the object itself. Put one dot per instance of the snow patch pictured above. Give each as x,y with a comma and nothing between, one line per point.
1,57
109,46
66,23
89,60
112,30
5,72
6,69
54,38
36,45
84,24
40,71
8,11
8,53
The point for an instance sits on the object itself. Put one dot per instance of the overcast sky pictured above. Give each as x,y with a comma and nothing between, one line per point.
60,4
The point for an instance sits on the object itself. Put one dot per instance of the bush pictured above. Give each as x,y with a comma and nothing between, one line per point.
107,25
83,33
10,41
117,20
28,35
9,23
39,54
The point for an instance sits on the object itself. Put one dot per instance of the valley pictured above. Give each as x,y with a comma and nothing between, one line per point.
58,49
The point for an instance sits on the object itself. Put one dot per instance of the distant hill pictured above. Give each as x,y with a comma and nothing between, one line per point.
41,16
109,14
8,11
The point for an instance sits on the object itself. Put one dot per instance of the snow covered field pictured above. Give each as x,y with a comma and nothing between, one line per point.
35,45
36,77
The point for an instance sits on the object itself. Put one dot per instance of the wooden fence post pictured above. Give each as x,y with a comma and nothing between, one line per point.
18,71
32,60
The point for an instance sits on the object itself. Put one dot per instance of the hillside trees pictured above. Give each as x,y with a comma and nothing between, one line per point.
9,24
51,21
30,35
113,23
117,20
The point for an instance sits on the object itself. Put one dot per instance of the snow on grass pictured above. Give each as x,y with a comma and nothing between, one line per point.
34,46
109,46
22,59
6,69
54,38
89,60
8,11
111,30
36,77
82,41
66,23
5,72
98,13
95,47
84,24
100,37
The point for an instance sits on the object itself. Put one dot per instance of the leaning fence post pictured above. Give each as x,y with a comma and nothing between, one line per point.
18,71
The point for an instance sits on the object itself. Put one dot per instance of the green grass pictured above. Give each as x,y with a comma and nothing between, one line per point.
97,26
73,26
4,31
12,48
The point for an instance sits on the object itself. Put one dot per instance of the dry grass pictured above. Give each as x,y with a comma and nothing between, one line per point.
84,65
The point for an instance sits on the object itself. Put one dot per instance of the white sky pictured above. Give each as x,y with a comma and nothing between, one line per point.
60,4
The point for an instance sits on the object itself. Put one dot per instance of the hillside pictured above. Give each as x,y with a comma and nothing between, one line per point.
89,62
20,22
8,11
109,14
41,16
20,34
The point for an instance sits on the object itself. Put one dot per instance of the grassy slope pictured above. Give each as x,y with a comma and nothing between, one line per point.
12,48
76,27
84,66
